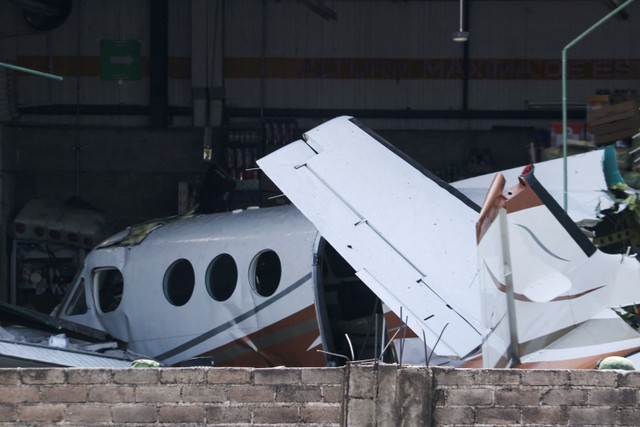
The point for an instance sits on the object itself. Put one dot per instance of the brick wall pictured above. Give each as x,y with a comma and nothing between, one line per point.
358,395
174,395
540,397
388,396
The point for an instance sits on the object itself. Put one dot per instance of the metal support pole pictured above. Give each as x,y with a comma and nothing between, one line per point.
159,63
263,60
27,70
564,90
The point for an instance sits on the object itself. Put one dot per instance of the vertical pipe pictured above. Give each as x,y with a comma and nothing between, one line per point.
77,149
158,63
514,351
263,59
222,57
465,58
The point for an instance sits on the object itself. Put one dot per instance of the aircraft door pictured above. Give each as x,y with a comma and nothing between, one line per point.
350,315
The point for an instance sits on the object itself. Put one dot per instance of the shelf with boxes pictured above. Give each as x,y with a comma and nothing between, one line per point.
245,143
613,116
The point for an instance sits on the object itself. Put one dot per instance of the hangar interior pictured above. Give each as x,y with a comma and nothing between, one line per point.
153,93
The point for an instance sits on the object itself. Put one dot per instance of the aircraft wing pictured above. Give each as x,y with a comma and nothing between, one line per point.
19,354
409,236
37,340
11,314
589,175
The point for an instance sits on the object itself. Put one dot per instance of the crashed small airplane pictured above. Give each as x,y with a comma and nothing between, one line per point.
547,291
377,259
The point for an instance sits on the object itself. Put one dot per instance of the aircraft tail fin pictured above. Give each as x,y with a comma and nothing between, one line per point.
541,276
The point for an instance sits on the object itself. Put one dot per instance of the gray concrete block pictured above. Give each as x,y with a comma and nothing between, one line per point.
223,414
565,396
204,394
547,415
470,397
591,416
545,377
158,394
64,394
362,381
298,393
41,413
89,376
387,407
42,376
252,394
613,397
111,394
136,376
182,376
500,377
456,415
322,375
414,398
88,414
593,378
361,412
498,416
277,376
447,376
276,415
229,375
324,415
134,414
19,394
181,415
517,397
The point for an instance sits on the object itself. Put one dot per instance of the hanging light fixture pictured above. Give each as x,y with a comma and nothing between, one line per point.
461,35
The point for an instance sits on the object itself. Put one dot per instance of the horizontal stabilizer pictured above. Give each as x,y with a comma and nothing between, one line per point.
408,235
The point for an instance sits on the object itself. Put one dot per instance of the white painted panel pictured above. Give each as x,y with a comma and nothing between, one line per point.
402,232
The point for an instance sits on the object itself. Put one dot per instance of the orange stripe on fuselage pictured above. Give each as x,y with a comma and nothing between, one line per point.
285,343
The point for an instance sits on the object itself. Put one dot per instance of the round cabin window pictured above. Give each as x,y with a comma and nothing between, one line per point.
178,282
265,273
222,276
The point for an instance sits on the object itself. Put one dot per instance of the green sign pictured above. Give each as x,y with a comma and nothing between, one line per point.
120,60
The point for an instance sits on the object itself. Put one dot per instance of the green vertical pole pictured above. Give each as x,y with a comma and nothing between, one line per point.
564,90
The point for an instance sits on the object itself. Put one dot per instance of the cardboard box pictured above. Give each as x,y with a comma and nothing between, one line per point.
614,131
619,121
613,113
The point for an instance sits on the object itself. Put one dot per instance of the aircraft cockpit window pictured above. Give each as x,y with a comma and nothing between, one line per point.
78,303
265,273
178,282
110,285
222,276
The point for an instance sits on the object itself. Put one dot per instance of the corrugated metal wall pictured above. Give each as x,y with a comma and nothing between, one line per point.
377,55
384,31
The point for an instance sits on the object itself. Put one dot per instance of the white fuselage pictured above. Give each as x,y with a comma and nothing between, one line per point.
153,326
